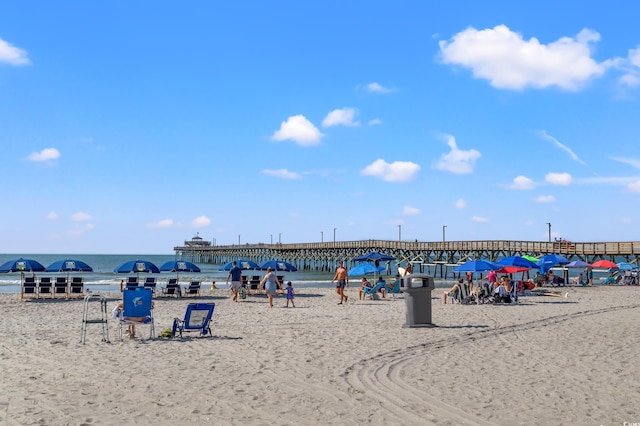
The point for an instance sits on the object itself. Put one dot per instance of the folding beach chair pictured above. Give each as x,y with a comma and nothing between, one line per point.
372,292
196,319
61,286
254,284
150,282
45,286
29,288
172,288
76,287
132,282
137,309
193,289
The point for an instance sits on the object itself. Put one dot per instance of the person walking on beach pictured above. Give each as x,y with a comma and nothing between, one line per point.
236,279
290,295
270,283
343,282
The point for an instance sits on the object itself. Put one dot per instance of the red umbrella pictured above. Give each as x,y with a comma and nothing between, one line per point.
604,264
512,269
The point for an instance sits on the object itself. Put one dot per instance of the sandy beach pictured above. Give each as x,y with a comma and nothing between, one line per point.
543,361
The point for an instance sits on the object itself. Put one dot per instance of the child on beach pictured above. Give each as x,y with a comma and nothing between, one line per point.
290,295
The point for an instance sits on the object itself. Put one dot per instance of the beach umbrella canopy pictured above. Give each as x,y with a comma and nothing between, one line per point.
577,264
179,266
518,261
626,266
364,269
548,261
511,269
373,256
477,266
242,264
69,265
531,258
136,267
605,264
278,265
22,265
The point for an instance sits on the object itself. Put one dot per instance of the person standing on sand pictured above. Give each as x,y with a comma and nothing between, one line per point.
270,283
343,282
236,279
290,294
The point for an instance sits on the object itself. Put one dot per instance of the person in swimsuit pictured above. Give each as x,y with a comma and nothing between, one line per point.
343,281
290,295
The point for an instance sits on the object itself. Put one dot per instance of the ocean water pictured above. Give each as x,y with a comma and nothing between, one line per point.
103,279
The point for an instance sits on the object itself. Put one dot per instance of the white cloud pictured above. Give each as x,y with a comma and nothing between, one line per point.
46,154
565,148
544,199
298,129
461,204
479,219
634,186
456,160
200,221
12,55
281,173
563,179
522,182
375,122
80,217
633,162
398,171
341,117
377,88
52,216
509,61
410,211
630,67
164,223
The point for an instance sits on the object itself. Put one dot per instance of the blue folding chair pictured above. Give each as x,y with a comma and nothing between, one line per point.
372,292
137,309
196,319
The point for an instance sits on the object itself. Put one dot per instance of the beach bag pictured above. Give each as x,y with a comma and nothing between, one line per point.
242,293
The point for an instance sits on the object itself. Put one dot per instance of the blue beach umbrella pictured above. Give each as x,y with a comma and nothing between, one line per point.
22,265
69,265
242,264
373,256
278,265
626,266
517,261
178,266
137,267
548,261
364,269
577,264
477,266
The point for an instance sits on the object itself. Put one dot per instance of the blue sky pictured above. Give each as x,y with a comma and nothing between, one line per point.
128,128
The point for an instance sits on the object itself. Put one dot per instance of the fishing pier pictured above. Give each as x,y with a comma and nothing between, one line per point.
428,257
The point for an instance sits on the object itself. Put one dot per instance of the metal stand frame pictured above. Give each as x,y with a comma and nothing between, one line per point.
102,320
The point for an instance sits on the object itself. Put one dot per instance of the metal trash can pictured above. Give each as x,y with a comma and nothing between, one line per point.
417,297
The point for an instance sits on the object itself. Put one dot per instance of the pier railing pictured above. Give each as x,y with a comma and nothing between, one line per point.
319,255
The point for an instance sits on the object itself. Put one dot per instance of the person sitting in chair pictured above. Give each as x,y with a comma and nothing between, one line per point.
383,288
365,284
452,292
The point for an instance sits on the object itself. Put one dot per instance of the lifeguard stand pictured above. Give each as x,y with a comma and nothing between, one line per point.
102,320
